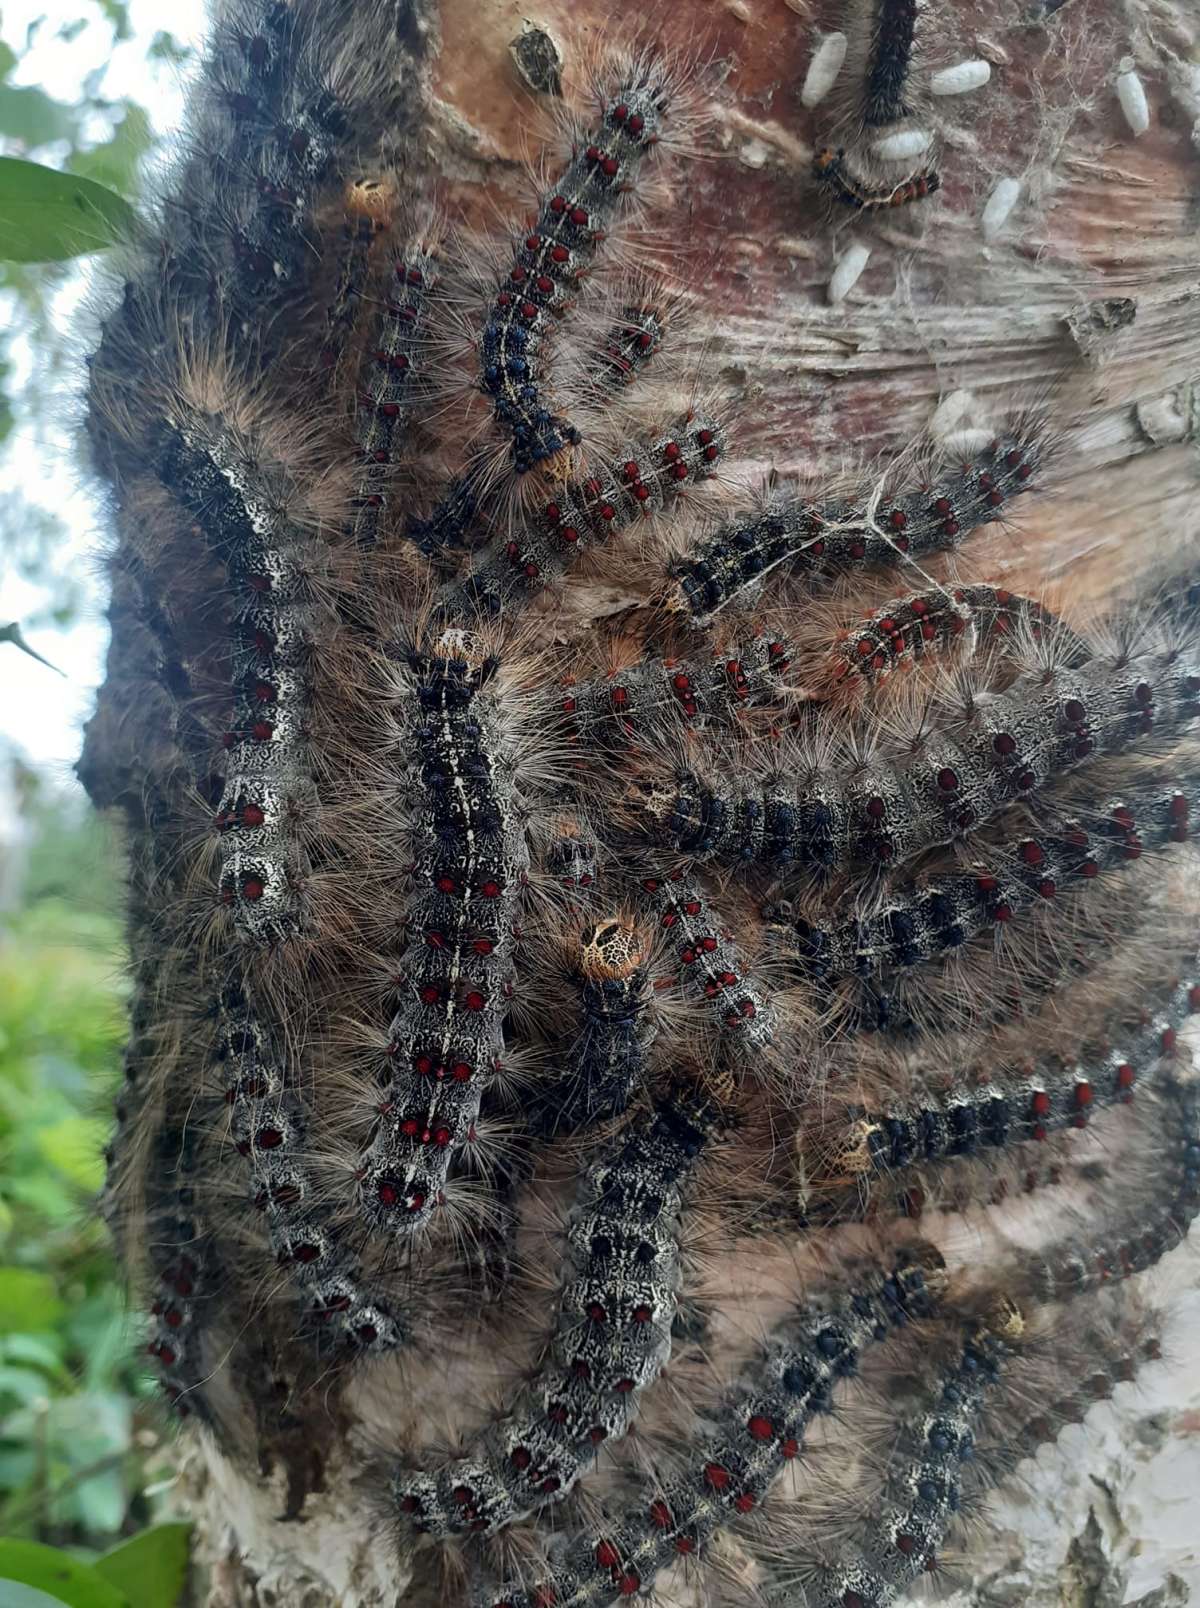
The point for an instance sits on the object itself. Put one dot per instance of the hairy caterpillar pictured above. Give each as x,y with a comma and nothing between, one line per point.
385,382
483,992
470,858
268,780
882,530
1101,1259
923,1492
709,966
612,1339
957,777
650,697
764,1428
934,920
1016,1104
558,249
654,474
961,616
267,1125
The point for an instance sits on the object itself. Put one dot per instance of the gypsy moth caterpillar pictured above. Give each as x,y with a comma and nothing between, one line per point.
652,475
546,272
759,1433
470,861
885,529
930,922
956,777
268,778
613,1336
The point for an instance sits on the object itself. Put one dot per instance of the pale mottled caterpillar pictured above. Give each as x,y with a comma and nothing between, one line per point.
761,1431
884,530
613,1336
454,976
183,1258
268,1126
956,778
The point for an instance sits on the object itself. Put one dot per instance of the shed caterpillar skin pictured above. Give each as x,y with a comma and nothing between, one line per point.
555,254
652,474
931,922
1009,748
470,862
925,623
606,1061
816,541
383,398
613,1337
760,1432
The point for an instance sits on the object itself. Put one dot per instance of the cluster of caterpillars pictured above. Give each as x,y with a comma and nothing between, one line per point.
438,914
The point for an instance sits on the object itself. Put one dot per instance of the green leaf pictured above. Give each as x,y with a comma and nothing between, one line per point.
28,1301
150,1568
8,59
74,1146
61,1576
28,114
46,216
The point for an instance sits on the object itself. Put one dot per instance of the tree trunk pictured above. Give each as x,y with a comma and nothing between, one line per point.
1055,265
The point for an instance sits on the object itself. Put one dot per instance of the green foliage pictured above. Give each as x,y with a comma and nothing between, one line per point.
46,216
78,1415
63,1578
